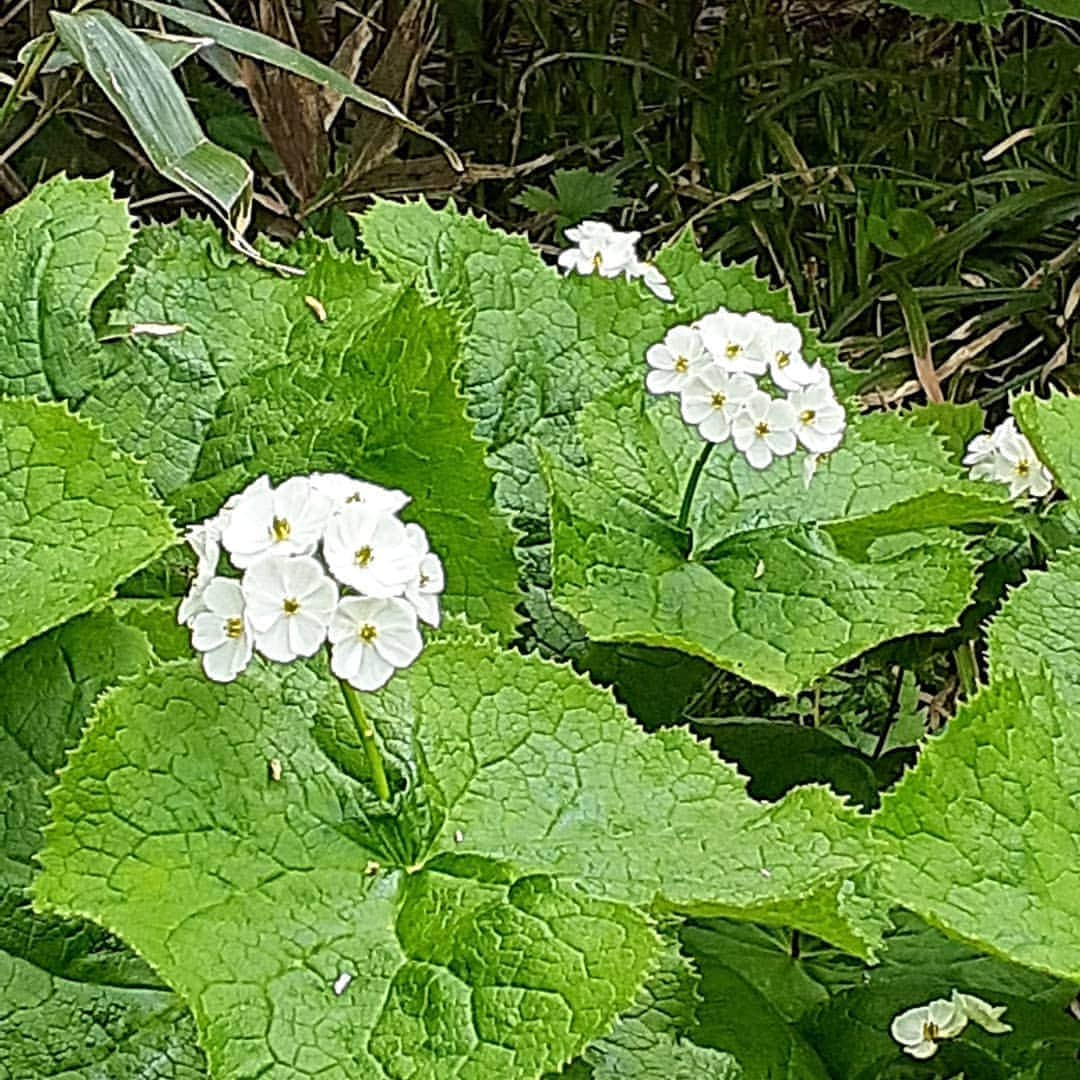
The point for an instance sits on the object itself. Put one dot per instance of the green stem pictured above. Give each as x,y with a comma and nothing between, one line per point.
367,737
692,483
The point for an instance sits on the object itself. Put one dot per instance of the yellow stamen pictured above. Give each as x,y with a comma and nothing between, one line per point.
597,259
732,350
807,416
291,607
929,1031
718,400
782,359
1022,467
364,556
762,430
281,530
424,579
234,629
682,365
367,633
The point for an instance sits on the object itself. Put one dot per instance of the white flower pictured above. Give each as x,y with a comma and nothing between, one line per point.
819,417
600,250
732,341
654,280
675,360
918,1030
288,520
371,638
205,540
1006,456
370,552
220,631
341,489
780,345
1021,469
763,428
713,398
987,1016
289,604
424,589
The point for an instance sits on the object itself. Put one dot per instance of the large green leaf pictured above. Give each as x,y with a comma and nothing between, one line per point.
53,1027
985,833
345,373
75,1003
780,606
59,248
746,1015
459,963
651,1039
534,813
76,518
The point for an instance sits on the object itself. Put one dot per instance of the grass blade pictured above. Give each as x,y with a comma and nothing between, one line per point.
271,51
139,84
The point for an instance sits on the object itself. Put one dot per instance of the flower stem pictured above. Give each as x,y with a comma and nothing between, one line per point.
367,737
692,483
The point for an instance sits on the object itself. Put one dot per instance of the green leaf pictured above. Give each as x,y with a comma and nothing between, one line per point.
75,1003
985,831
533,813
76,518
369,391
140,85
239,39
459,963
904,232
650,1040
1051,425
50,1026
59,248
578,194
780,606
851,1032
737,1017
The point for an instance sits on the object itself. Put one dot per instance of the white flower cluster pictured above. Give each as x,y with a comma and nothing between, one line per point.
714,366
602,250
300,547
919,1030
1007,457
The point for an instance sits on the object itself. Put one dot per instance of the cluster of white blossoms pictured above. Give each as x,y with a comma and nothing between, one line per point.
323,558
919,1030
600,249
716,365
1007,457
